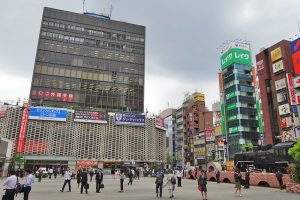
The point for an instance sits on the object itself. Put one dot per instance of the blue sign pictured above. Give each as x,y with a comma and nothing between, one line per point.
295,46
295,110
129,119
48,114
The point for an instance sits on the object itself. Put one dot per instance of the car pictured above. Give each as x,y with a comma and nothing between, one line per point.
44,172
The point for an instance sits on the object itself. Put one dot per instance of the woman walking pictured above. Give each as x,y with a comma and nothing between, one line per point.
122,178
171,182
238,180
202,182
78,177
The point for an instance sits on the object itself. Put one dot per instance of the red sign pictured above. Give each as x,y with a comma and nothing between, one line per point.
296,60
160,123
210,135
291,88
55,96
20,146
260,65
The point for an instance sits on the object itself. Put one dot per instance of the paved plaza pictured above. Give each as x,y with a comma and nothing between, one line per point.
144,189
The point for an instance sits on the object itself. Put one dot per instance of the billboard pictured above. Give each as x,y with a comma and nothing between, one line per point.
298,98
286,122
90,116
160,123
276,54
259,118
217,117
48,114
129,119
53,96
284,109
231,106
3,109
198,97
295,50
260,65
281,96
210,135
237,45
278,66
289,78
20,146
224,128
297,82
280,84
235,55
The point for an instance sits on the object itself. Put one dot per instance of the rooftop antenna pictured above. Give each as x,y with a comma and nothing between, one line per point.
298,26
111,9
83,5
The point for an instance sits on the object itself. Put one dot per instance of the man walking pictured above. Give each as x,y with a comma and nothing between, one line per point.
130,177
67,176
99,180
29,180
279,176
218,176
179,177
84,180
247,179
50,172
10,186
159,182
91,174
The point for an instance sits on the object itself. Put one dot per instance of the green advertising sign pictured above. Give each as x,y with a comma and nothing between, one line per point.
231,106
234,129
231,118
223,120
259,117
234,55
230,95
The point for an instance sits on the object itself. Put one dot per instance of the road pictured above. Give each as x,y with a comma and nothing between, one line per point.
144,189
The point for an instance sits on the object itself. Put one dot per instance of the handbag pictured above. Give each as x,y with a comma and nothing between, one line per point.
102,185
86,186
199,187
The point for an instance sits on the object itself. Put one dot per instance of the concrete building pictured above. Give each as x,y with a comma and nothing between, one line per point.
5,155
238,105
53,143
278,101
88,60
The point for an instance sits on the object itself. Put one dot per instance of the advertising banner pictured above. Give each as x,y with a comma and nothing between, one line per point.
224,128
200,151
282,96
237,45
129,119
231,106
230,95
53,96
231,118
284,109
160,123
235,55
217,117
278,66
48,114
20,146
3,109
210,135
297,82
90,116
276,54
198,97
234,129
295,50
298,98
286,122
289,78
218,130
260,65
259,119
280,84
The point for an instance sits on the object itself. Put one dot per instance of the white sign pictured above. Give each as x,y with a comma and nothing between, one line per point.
297,82
260,65
292,92
284,109
280,84
281,96
237,45
278,66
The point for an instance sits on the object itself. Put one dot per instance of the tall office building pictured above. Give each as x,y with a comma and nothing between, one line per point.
88,60
239,114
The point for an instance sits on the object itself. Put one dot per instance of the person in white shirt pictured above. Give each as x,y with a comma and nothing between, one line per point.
10,185
179,175
50,172
67,176
28,183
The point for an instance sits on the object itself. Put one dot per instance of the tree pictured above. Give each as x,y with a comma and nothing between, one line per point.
19,160
247,147
169,159
295,153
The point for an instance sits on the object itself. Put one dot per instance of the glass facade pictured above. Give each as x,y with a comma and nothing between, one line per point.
85,61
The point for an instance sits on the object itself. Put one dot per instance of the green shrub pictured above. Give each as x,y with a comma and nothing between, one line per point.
295,153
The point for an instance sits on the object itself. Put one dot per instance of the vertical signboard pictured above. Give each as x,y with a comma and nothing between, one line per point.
289,78
259,116
20,146
295,50
224,129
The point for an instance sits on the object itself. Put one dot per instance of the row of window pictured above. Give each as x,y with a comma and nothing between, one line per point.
97,33
96,76
94,43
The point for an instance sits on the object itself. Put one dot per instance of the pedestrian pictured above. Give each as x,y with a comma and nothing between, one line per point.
122,178
247,179
40,175
9,186
279,176
91,174
84,180
29,180
202,182
179,175
171,182
238,182
113,173
50,172
99,180
159,183
78,177
68,177
130,177
138,174
218,176
55,173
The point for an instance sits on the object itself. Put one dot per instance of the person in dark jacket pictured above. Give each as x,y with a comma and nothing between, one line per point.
99,180
84,180
202,182
91,174
279,176
218,176
130,177
247,179
78,177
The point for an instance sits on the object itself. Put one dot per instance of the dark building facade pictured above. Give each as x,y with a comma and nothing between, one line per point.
88,60
274,70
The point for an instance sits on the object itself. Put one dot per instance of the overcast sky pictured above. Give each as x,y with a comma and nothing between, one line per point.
182,37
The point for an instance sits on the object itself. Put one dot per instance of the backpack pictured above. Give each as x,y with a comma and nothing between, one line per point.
173,180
